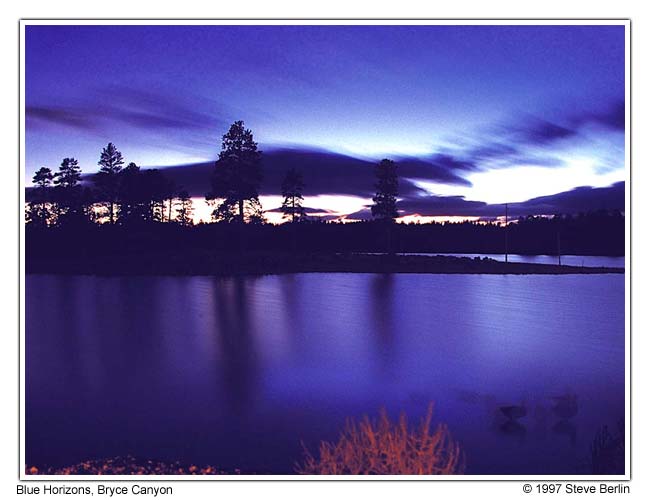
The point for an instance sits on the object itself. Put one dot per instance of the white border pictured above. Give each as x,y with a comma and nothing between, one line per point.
347,22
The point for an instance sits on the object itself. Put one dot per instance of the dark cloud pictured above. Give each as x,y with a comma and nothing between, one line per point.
308,210
122,106
536,131
443,168
157,110
363,214
580,199
612,117
531,140
492,150
328,173
59,116
492,155
441,205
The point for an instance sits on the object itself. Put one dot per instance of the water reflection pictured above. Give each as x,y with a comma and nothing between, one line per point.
237,340
238,371
382,310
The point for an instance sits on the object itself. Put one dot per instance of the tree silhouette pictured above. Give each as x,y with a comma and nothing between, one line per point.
169,193
254,211
39,210
237,176
184,209
107,179
385,199
155,190
292,187
133,205
68,192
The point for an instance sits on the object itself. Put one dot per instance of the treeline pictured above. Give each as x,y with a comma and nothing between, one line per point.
129,196
165,247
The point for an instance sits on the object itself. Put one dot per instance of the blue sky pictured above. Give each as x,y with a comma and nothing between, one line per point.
489,114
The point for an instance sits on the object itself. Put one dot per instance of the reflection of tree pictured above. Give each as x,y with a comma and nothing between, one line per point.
236,336
294,303
382,304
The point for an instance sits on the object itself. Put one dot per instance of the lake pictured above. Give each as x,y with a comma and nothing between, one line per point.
237,372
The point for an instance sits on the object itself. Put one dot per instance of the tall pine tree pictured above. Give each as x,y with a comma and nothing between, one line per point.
68,192
237,177
384,208
292,187
39,208
107,180
385,199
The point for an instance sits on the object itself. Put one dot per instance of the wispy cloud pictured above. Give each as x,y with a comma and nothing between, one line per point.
117,106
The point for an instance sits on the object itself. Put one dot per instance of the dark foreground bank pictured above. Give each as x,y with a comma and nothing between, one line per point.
250,263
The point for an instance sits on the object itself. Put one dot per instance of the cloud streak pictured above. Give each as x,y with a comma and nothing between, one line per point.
118,106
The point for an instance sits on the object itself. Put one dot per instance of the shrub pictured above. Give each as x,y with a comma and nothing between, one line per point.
383,447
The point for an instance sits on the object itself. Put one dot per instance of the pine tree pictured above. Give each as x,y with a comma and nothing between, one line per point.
68,192
155,189
39,208
133,205
108,180
292,187
237,176
385,199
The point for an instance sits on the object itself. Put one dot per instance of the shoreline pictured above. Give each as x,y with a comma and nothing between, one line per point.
259,264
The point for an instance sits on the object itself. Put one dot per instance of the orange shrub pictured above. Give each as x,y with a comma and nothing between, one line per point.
383,447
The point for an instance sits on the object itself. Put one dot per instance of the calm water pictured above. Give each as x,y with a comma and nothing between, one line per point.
236,372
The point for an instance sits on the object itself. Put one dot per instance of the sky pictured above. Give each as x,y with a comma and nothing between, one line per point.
474,116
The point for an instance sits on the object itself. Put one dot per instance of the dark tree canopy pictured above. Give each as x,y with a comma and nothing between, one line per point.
385,200
107,179
237,176
133,205
156,189
69,174
292,188
69,195
43,179
39,210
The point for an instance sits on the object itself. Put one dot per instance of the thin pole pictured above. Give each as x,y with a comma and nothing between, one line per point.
506,232
559,253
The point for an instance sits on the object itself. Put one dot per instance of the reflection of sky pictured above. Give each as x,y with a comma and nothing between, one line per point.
534,109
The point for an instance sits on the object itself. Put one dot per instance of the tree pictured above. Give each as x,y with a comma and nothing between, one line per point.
155,190
184,209
169,193
108,180
237,176
385,199
68,192
133,205
39,210
292,187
